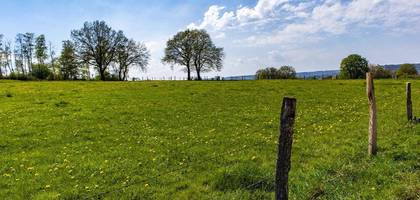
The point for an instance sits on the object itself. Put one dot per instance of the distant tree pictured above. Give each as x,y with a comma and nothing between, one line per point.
354,67
131,54
7,55
407,70
287,72
267,73
206,56
380,72
284,72
41,49
53,65
179,51
19,55
68,61
28,49
96,44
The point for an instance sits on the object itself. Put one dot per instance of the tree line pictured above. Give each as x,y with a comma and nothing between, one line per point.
353,66
109,53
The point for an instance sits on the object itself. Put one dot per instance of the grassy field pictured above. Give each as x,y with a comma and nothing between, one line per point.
203,140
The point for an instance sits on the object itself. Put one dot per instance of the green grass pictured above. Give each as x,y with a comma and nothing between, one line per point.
112,140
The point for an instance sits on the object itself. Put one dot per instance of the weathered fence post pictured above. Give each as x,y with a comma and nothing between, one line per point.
409,103
287,120
372,114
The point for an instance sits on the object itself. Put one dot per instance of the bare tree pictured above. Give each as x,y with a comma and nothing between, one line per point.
96,44
131,53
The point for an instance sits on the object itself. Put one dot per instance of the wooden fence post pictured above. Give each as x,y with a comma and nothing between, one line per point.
287,120
409,103
372,149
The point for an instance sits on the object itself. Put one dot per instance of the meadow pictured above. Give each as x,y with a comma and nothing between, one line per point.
203,140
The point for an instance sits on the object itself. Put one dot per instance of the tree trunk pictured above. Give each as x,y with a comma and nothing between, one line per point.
102,74
198,75
189,72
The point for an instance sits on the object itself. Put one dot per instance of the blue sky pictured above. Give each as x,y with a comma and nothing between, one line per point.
309,35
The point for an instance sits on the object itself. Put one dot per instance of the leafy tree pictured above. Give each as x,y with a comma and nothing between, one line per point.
41,71
206,56
353,67
41,49
68,60
130,54
380,72
287,72
407,70
96,44
179,51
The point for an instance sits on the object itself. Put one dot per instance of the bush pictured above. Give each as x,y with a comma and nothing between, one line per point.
380,72
41,72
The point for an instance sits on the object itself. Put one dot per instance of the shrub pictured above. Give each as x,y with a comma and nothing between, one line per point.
41,71
380,72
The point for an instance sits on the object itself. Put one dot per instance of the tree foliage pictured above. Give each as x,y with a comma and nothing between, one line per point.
407,70
206,56
194,50
284,72
131,54
68,61
96,44
41,49
353,67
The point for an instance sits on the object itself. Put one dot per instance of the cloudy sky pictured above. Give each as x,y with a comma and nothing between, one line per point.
309,35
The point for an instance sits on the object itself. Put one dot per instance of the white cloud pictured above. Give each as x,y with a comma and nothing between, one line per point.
286,22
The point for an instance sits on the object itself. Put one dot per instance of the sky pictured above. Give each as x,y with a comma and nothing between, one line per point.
308,35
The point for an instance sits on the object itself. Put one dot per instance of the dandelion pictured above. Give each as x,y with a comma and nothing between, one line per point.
47,186
146,185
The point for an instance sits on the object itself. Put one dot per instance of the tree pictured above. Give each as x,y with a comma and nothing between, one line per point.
18,54
130,53
68,61
1,55
41,49
52,61
28,49
354,67
96,44
206,56
380,72
284,72
406,70
287,72
179,51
